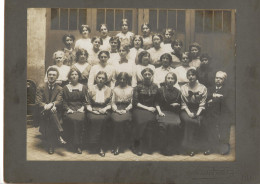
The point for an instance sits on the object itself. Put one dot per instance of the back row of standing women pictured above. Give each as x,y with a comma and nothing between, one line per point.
153,62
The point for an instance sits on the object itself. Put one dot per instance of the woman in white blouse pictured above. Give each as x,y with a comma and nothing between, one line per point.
84,42
64,70
102,66
104,36
94,50
114,55
144,61
137,45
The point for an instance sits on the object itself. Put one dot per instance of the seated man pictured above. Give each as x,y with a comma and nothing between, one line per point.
49,99
218,123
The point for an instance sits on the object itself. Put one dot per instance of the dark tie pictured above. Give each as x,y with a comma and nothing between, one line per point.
50,92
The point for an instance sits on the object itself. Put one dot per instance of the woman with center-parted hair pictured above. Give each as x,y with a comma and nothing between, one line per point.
195,50
176,53
94,51
58,58
168,107
82,65
137,44
85,41
147,36
144,112
125,36
99,98
181,71
143,61
102,66
168,36
114,55
157,50
122,115
124,64
74,103
193,97
104,36
161,72
70,54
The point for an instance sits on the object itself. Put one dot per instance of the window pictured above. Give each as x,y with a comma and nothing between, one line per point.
113,17
213,21
67,18
160,19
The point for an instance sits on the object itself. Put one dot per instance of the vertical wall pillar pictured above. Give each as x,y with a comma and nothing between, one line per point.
36,38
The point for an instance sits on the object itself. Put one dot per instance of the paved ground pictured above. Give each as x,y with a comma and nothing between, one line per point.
37,152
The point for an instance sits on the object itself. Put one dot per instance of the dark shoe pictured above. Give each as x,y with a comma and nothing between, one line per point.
207,152
102,153
225,149
116,152
112,151
192,154
139,153
79,151
50,150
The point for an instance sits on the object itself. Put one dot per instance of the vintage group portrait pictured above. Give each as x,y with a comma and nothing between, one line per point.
131,91
130,84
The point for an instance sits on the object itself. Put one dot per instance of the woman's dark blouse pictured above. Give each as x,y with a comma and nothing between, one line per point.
168,96
145,95
74,99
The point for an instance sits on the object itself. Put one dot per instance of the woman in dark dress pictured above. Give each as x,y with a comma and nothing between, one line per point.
205,71
193,97
144,116
99,98
168,107
122,106
74,107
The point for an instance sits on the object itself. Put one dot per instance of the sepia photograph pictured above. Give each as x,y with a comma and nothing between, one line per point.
133,91
131,84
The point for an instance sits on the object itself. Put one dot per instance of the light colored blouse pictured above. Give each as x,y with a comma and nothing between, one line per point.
181,73
156,54
148,42
110,71
133,54
195,63
125,67
160,73
93,57
106,46
83,43
83,68
100,98
125,39
122,95
114,59
63,72
196,95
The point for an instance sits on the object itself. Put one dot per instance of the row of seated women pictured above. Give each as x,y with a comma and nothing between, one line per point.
166,118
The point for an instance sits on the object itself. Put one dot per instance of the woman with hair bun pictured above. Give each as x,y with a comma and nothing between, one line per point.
70,54
147,36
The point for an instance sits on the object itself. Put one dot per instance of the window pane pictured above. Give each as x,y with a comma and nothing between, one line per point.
172,19
119,17
153,19
100,17
162,20
82,17
199,21
217,21
181,21
54,18
64,18
110,20
227,21
208,21
129,17
73,19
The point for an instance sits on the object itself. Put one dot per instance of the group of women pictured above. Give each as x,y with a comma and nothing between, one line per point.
142,86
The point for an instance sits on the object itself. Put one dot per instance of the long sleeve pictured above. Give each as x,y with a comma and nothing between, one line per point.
203,98
39,97
58,101
91,78
65,99
135,96
86,72
114,107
